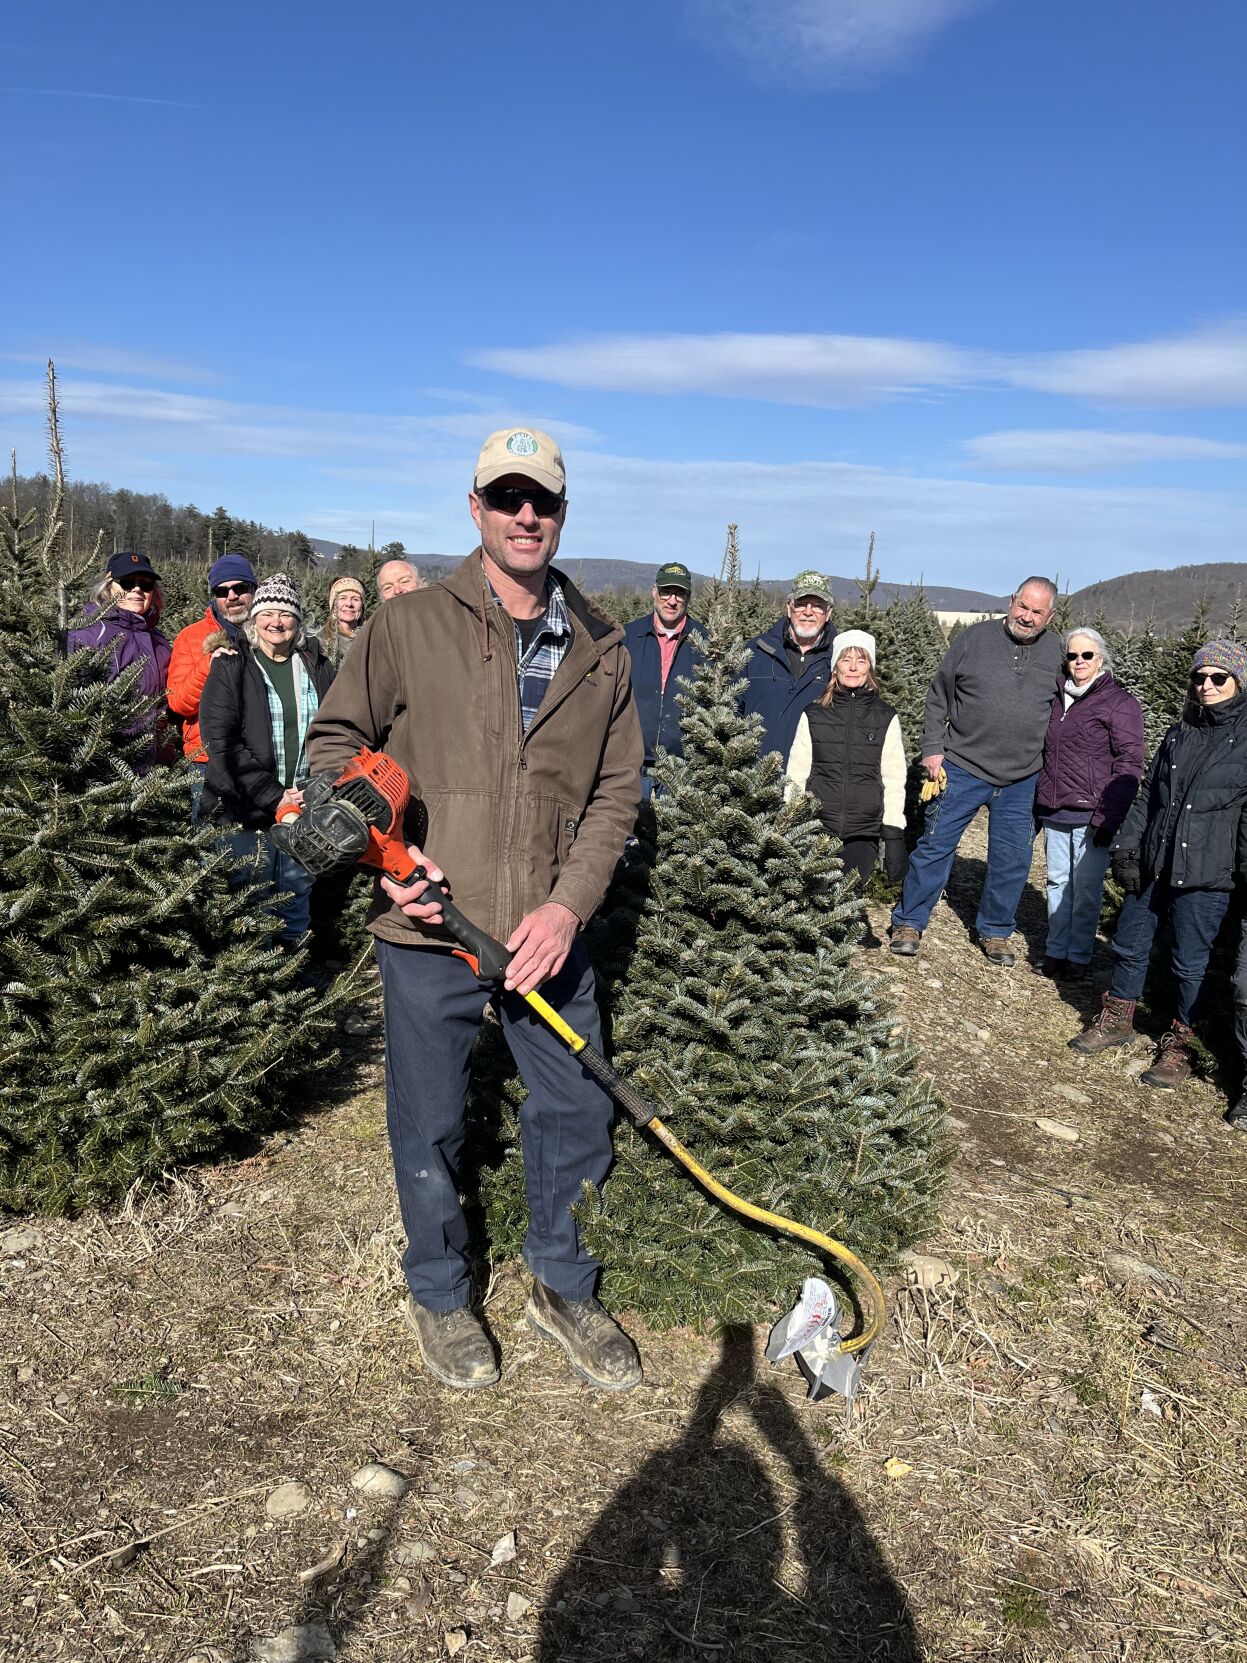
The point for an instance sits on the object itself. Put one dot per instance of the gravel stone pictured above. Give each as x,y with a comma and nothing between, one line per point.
287,1501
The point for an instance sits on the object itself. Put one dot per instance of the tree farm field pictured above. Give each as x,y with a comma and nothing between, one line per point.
1046,1460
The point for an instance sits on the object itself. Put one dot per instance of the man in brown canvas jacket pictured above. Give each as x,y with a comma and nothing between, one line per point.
508,701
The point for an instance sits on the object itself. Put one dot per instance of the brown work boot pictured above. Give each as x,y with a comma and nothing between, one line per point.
596,1346
1173,1060
997,951
905,941
1113,1026
453,1345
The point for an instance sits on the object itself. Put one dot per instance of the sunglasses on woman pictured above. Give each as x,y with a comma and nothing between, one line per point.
1073,657
1218,678
224,590
146,584
509,499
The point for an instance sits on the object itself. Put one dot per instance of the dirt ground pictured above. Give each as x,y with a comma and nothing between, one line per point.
1046,1460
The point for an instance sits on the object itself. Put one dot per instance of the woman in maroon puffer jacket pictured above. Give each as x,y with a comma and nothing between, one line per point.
1092,765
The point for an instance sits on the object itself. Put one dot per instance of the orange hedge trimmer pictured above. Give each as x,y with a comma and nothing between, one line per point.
357,817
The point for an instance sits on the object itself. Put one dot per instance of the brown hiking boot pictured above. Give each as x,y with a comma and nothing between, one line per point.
905,941
1113,1026
1173,1060
453,1346
596,1346
996,950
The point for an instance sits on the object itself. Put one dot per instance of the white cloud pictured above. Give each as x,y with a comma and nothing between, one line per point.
191,422
821,39
1205,367
1074,450
105,360
826,370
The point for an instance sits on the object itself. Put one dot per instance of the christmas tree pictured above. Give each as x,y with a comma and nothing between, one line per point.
146,1015
731,998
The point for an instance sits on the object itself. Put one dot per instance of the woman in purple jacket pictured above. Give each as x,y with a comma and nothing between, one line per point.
124,613
1092,765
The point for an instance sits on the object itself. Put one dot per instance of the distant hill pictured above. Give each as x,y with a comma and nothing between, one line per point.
596,575
1167,598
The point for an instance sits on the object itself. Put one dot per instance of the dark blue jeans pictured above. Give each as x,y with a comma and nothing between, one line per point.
1010,834
1195,916
434,1006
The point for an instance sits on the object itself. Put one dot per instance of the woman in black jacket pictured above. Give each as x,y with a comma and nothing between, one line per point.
1177,855
849,755
258,703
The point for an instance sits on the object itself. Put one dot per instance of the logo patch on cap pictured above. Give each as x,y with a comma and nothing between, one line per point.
522,444
134,559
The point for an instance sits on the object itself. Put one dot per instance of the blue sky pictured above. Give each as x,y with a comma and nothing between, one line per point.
966,273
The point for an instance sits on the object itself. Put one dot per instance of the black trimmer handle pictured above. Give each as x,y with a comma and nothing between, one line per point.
489,957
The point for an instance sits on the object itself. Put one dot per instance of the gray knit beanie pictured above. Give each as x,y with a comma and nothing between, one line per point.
277,594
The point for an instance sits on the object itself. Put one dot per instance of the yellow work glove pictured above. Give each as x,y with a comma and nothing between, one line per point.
931,788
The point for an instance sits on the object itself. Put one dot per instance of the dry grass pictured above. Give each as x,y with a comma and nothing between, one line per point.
1073,1429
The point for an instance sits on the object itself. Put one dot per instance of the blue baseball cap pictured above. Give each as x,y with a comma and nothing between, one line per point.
125,563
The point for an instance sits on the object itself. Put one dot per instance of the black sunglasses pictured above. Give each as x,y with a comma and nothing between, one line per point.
1218,678
223,590
146,584
509,499
1073,657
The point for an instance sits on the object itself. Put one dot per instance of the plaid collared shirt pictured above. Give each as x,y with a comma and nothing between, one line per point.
307,701
536,667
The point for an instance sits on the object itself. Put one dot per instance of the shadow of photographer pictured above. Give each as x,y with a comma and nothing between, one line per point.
691,1558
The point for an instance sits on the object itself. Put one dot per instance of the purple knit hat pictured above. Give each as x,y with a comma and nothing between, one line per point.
1223,655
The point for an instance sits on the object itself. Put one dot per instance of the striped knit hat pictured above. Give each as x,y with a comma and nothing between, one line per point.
1223,655
277,594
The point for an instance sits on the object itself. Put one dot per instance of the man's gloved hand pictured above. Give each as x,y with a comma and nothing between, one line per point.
1128,870
895,855
931,788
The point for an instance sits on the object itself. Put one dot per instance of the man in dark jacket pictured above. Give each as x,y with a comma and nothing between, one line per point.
665,648
790,662
986,716
508,701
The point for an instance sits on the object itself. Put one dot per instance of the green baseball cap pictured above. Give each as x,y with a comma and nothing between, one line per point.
810,583
674,576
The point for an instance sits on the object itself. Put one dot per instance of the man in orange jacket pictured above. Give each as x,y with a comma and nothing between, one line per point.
231,586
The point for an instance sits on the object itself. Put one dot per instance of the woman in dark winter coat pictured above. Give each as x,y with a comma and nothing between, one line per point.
1092,765
1177,855
258,703
124,613
849,755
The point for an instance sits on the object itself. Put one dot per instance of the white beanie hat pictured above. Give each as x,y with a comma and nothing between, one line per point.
847,638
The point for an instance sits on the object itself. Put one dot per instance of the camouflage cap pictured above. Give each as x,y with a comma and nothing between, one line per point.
810,583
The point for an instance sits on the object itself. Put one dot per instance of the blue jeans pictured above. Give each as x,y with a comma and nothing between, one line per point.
199,773
1076,869
291,882
1195,916
1010,834
433,1008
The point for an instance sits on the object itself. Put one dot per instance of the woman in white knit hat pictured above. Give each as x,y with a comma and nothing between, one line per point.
848,754
258,703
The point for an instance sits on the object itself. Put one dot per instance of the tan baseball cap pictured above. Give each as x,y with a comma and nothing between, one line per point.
522,450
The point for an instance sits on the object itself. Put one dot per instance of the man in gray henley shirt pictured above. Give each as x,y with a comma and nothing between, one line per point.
986,716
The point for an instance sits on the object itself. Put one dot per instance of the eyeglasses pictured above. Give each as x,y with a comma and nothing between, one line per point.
146,584
1218,678
509,499
223,591
1073,657
810,603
